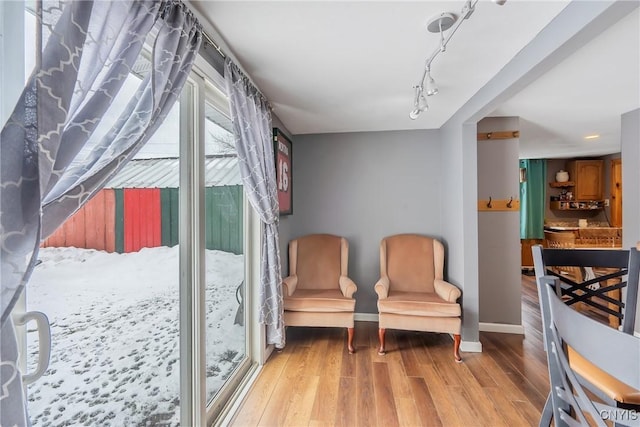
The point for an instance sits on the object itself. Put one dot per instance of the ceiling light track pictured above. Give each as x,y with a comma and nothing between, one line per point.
439,24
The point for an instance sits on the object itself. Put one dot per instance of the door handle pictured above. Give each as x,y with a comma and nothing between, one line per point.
44,342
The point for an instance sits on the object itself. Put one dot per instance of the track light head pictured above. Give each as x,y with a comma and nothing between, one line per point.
499,2
419,104
432,88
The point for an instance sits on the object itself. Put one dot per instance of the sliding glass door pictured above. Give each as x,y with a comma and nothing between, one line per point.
146,288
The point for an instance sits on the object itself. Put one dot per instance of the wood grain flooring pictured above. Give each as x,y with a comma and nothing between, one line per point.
314,381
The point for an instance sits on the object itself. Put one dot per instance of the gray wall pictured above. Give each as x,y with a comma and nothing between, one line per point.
365,186
630,143
499,262
460,224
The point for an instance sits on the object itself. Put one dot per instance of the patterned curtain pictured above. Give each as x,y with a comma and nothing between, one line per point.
532,199
254,143
52,158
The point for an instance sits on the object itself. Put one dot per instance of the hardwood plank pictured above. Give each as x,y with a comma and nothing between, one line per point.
365,407
475,365
325,403
409,359
468,407
507,409
347,398
258,397
299,412
317,351
386,414
284,390
440,397
407,412
520,380
426,408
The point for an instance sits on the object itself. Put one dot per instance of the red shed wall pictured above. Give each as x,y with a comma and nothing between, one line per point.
91,227
142,213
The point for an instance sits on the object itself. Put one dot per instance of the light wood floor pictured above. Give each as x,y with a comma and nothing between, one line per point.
314,381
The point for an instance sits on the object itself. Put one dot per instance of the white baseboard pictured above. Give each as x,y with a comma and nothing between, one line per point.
471,347
365,317
637,334
502,328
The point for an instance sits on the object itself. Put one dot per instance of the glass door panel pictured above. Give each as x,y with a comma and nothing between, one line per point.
226,342
108,280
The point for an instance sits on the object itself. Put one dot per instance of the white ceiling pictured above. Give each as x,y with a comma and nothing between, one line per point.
336,66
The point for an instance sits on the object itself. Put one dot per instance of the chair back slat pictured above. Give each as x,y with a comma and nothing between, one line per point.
564,327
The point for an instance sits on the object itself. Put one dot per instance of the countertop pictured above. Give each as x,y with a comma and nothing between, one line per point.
573,228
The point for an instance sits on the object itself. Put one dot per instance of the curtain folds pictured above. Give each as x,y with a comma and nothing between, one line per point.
532,199
53,159
254,144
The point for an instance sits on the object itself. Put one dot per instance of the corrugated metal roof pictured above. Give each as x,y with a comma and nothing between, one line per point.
164,173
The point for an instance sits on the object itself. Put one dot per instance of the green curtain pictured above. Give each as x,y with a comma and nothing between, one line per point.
532,198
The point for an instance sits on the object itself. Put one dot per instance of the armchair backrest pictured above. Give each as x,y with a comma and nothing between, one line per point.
411,261
318,260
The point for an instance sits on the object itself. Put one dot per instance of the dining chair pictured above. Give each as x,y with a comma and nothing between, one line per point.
567,332
563,240
624,267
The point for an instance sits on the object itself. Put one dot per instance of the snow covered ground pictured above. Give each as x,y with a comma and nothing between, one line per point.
115,334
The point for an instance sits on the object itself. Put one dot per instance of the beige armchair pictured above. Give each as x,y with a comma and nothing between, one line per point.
412,294
317,291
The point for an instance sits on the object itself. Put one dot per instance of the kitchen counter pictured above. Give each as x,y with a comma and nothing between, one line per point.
574,228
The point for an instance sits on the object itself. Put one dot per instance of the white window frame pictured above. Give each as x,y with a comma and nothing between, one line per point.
206,84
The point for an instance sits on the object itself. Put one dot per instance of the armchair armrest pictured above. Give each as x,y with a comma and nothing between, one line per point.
347,286
446,290
289,285
382,287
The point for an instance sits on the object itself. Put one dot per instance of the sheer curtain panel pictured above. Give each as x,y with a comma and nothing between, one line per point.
53,156
254,143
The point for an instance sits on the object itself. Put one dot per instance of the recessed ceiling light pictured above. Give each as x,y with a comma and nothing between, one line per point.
594,136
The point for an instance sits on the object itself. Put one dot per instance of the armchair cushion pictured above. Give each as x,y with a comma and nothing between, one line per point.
319,300
318,261
410,262
425,304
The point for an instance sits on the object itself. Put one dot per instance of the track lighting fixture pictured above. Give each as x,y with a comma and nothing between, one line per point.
439,24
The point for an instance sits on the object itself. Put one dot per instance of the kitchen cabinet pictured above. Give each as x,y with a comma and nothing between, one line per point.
588,178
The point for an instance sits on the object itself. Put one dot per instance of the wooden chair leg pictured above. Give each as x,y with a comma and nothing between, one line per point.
381,350
456,347
350,340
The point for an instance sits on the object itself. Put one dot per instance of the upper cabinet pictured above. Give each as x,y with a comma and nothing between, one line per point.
587,176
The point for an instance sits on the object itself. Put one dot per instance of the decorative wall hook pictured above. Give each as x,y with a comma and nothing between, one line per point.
497,205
